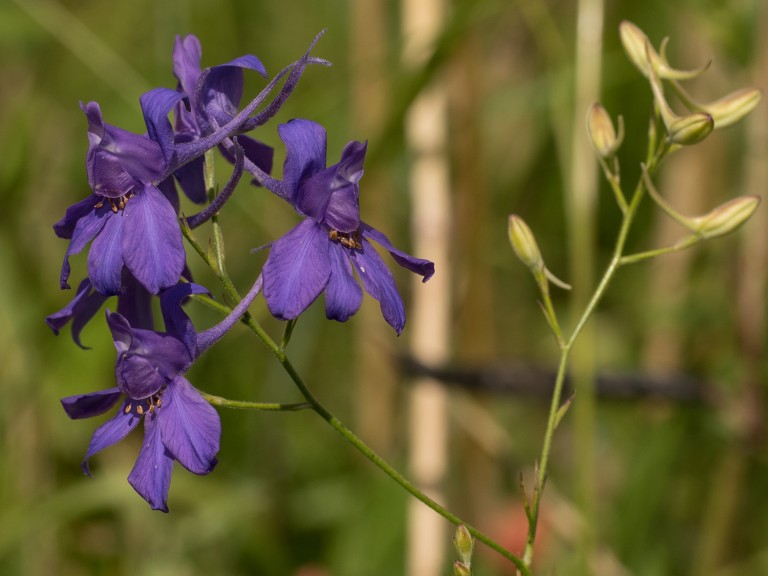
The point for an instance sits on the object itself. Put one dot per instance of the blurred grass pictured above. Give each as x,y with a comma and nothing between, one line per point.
288,493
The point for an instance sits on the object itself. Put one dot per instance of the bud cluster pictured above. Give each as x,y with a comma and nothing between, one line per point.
701,119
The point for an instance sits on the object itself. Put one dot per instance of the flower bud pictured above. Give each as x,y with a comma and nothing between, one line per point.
637,46
460,570
733,107
690,129
601,131
642,54
464,544
726,218
524,244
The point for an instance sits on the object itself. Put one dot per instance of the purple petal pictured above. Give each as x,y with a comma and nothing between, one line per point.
65,227
296,270
88,405
135,303
343,209
117,159
420,266
58,320
156,104
192,180
105,258
168,188
250,62
151,475
187,54
189,426
80,310
147,360
122,333
305,143
379,283
111,432
257,152
177,323
87,227
106,176
343,294
152,243
331,196
220,88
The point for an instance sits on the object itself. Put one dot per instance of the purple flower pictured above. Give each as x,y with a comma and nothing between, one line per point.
212,97
321,253
179,425
131,215
131,223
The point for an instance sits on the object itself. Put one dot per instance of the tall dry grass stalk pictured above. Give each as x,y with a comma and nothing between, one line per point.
581,205
426,135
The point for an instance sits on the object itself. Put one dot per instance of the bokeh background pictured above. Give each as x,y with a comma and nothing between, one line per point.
668,476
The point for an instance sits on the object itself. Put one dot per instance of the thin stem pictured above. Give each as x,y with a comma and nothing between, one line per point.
541,475
262,406
613,180
640,256
610,271
551,315
353,439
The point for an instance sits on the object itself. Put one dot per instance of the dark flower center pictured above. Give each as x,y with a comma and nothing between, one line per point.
146,405
348,239
116,203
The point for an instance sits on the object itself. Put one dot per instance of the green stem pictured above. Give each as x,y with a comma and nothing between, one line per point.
541,473
263,406
610,271
390,471
353,439
640,256
216,263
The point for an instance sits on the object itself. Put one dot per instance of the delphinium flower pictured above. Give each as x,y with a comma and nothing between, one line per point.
211,99
130,217
179,425
321,252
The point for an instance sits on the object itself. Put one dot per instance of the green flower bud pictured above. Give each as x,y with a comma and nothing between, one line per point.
524,244
601,131
725,218
637,46
460,570
690,129
642,54
464,544
733,107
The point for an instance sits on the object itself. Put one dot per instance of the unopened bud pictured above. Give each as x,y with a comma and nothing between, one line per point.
726,218
637,46
642,54
464,544
690,129
601,131
733,107
524,244
460,570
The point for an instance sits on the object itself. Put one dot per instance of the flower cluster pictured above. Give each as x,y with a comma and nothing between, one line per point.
131,226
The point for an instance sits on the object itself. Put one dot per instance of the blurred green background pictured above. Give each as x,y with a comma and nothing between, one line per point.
679,487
